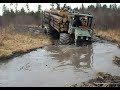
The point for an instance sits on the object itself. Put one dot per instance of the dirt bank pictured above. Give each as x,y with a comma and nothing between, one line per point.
116,60
101,80
110,35
13,43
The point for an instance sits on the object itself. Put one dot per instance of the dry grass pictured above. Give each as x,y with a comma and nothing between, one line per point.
111,35
12,42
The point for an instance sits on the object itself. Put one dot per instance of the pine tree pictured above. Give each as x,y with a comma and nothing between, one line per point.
82,9
22,11
11,5
39,8
5,10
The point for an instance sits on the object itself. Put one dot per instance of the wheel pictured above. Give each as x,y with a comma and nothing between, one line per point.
78,42
64,39
53,33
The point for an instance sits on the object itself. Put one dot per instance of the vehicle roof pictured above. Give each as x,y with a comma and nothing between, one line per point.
88,15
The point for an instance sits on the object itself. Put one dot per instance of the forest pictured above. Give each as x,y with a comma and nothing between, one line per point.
105,17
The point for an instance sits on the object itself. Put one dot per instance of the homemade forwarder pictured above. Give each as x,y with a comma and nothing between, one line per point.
75,26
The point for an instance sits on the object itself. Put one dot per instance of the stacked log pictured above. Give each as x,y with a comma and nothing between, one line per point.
57,19
60,13
84,21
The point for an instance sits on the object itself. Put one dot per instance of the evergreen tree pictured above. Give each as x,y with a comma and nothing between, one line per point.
82,9
39,8
22,11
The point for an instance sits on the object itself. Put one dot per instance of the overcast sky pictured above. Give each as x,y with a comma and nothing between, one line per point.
34,6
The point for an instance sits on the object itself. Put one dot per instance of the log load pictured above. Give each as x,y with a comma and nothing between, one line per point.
60,13
58,20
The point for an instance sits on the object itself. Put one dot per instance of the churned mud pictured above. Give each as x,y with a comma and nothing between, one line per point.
101,80
116,60
60,65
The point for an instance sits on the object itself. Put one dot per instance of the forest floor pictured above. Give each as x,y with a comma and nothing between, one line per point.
12,42
110,35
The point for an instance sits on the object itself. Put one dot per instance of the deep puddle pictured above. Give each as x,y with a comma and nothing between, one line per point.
59,66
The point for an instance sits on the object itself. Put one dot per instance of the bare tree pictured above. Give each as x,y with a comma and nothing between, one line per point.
52,5
11,4
58,6
27,6
16,5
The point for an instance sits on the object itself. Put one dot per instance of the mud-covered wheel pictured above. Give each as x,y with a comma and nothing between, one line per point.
53,33
78,42
64,39
49,30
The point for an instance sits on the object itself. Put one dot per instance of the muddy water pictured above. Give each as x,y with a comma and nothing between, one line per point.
59,65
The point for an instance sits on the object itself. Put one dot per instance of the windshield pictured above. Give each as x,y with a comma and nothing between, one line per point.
80,21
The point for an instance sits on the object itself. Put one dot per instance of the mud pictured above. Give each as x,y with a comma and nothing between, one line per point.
17,53
59,65
101,80
116,60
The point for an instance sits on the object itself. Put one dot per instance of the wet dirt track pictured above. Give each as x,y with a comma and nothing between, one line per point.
59,65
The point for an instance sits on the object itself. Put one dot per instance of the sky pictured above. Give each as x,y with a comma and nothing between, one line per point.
34,6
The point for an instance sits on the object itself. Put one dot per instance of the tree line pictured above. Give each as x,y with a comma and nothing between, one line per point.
105,17
21,17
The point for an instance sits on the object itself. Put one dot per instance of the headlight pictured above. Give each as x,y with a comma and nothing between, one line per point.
86,38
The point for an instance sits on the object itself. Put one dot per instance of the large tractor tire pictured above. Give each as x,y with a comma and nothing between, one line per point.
53,33
64,39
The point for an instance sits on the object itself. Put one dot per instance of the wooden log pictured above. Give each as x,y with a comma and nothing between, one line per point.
54,25
56,21
56,28
55,16
61,25
55,12
65,20
60,13
63,13
63,29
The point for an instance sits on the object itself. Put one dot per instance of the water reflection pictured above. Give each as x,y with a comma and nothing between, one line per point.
72,55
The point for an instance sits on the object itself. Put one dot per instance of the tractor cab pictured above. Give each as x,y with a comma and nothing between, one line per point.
86,20
80,26
80,20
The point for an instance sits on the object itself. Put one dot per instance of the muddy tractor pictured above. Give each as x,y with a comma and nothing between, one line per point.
68,26
80,27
